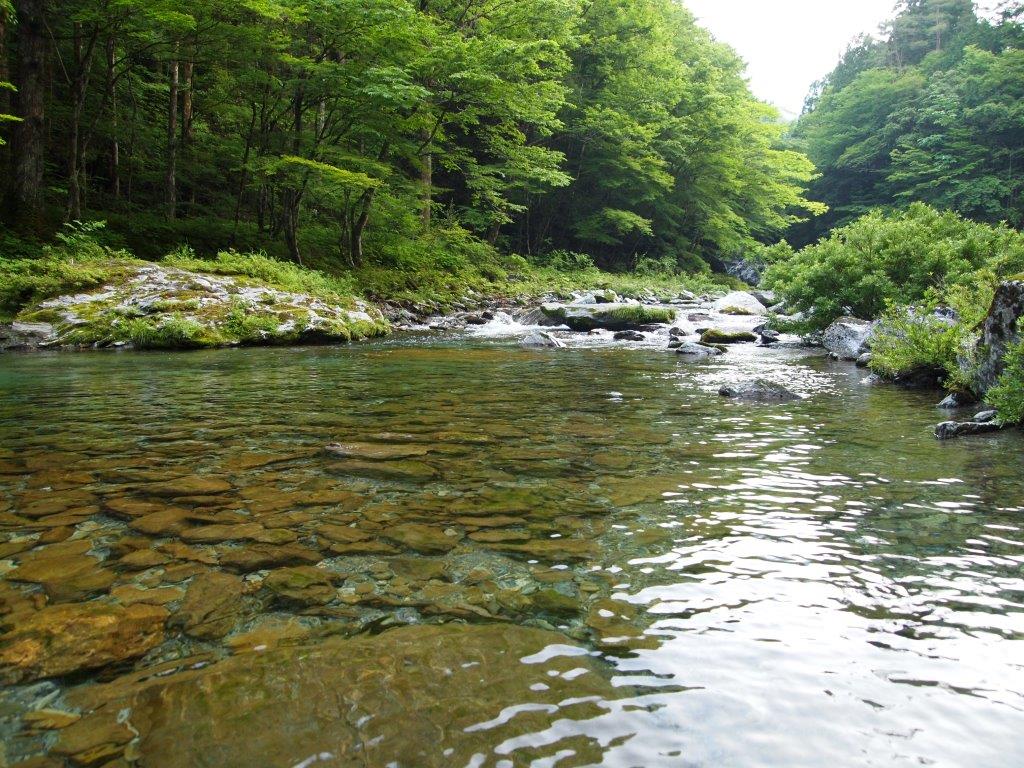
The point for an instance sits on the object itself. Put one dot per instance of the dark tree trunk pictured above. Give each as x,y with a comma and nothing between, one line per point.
171,180
359,227
5,95
29,146
114,152
79,85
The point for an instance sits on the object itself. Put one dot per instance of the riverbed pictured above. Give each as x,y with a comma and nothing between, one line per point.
564,557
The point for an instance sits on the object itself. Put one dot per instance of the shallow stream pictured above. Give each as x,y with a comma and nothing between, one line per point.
580,556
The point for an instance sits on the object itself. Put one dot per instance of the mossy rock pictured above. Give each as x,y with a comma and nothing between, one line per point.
715,337
611,317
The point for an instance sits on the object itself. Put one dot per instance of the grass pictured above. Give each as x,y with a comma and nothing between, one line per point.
1007,397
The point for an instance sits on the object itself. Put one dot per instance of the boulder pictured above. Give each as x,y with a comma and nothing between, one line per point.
725,336
740,303
956,400
629,336
611,317
691,349
19,335
769,337
999,332
540,340
759,391
73,637
848,338
948,430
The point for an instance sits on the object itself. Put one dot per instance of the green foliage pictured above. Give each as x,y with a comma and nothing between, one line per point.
908,341
268,271
931,114
75,263
1007,397
894,258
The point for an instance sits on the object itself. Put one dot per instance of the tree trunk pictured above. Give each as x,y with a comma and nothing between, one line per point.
186,119
114,157
5,97
170,183
79,85
427,184
29,138
359,226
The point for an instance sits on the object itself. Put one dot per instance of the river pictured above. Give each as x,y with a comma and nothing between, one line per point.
579,556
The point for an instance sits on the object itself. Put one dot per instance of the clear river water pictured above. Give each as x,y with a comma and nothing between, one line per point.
568,557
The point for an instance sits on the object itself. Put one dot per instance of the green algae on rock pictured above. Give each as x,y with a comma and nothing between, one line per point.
611,317
152,306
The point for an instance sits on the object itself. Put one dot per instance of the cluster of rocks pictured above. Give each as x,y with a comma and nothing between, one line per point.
157,306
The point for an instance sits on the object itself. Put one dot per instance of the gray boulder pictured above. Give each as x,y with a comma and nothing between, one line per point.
948,430
956,400
848,338
541,340
20,335
537,317
629,336
693,350
999,332
759,391
740,303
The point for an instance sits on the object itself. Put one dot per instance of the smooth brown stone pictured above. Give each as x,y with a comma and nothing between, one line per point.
498,536
364,548
128,594
247,461
258,557
62,639
169,521
214,534
552,550
302,584
143,559
94,739
179,572
491,521
268,635
56,535
70,518
378,451
341,534
16,547
53,502
326,498
417,569
180,551
129,507
429,688
64,570
49,719
422,538
211,605
193,485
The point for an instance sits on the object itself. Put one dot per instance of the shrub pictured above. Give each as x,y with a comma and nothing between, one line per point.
1007,397
911,340
884,259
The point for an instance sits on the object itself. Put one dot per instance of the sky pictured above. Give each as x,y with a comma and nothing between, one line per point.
789,44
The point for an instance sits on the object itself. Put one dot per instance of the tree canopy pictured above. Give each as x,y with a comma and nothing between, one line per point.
351,128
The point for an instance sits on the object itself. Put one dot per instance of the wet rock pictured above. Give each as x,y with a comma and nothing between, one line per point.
49,719
1000,330
767,298
193,485
258,557
304,585
693,350
561,550
629,336
143,559
128,594
211,605
63,639
65,570
769,337
956,400
425,696
422,538
377,451
540,339
23,336
95,739
984,417
848,337
725,336
740,303
949,430
417,569
758,391
864,361
611,317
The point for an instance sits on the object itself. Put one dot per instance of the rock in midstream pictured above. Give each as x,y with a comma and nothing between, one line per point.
759,391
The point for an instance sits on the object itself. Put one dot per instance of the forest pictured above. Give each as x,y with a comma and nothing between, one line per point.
345,131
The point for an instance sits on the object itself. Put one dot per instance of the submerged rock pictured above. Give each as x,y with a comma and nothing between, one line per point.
629,336
428,696
63,639
611,317
847,338
760,391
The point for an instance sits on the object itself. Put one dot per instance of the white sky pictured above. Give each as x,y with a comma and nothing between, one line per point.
788,44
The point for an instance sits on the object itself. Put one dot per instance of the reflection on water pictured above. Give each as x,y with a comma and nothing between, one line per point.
559,558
